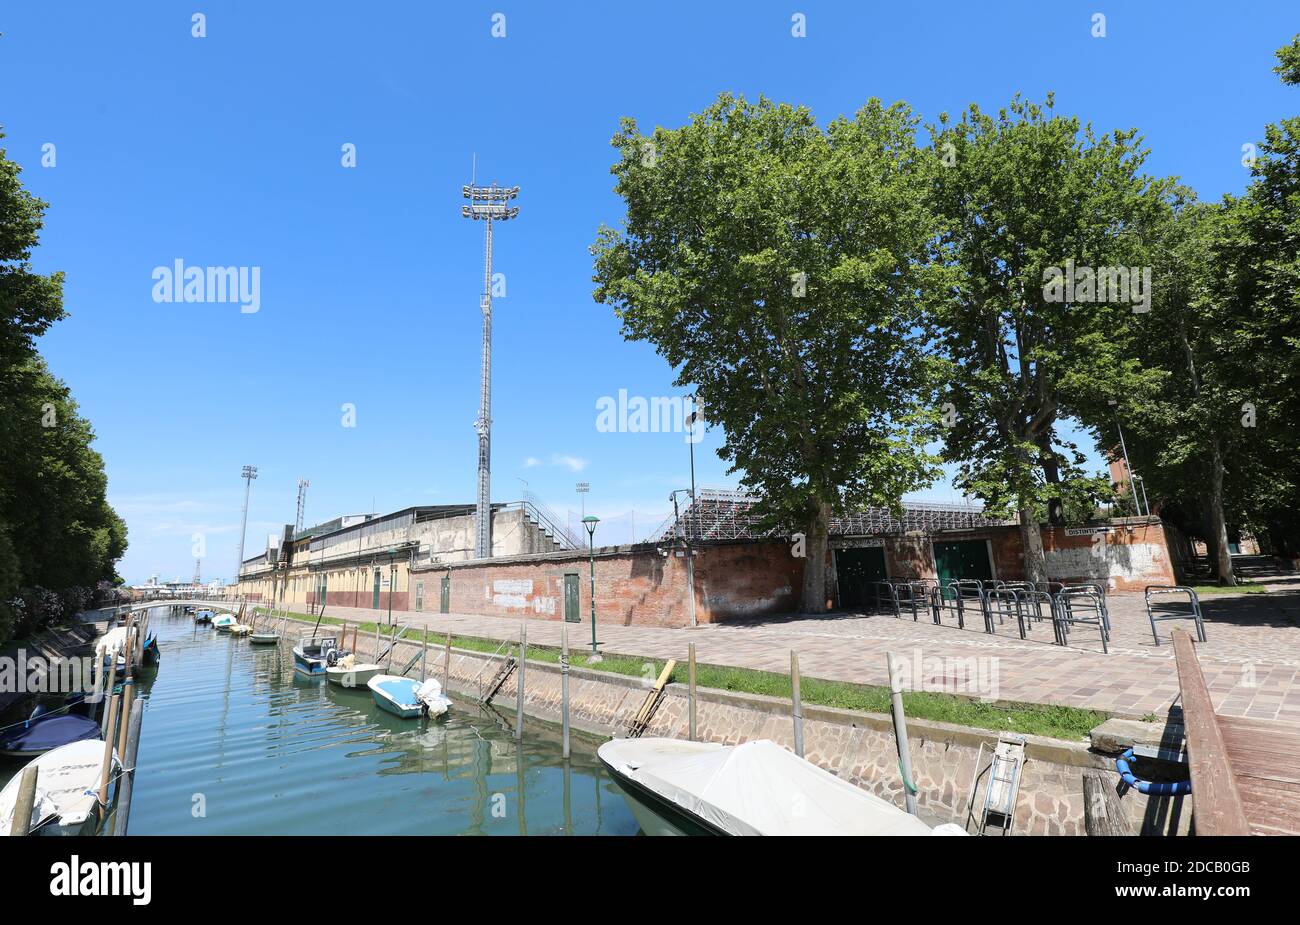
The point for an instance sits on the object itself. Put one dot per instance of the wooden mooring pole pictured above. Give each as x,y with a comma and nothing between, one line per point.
446,665
21,822
690,690
110,730
122,816
796,702
519,686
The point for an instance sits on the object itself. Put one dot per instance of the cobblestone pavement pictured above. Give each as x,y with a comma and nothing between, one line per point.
1251,657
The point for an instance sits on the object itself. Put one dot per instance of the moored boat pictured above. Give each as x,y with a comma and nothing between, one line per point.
67,785
47,729
203,616
407,697
313,654
351,673
224,623
757,788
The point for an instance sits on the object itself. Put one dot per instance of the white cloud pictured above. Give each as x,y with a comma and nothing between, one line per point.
573,463
532,461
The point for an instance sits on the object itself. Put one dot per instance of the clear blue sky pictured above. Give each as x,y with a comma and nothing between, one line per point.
225,150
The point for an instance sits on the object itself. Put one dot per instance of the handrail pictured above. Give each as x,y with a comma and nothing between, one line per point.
549,521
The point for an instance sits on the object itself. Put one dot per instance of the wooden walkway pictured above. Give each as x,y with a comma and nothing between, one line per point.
1245,772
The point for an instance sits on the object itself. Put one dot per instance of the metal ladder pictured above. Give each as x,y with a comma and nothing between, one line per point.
997,809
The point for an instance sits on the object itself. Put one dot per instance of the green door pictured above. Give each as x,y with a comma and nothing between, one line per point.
571,598
855,570
374,597
444,596
962,559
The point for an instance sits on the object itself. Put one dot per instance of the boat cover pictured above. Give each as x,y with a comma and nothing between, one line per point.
757,788
47,733
65,786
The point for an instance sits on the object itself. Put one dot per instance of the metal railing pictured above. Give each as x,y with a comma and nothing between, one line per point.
549,521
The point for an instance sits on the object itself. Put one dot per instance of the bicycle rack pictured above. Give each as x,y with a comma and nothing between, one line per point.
1173,610
1082,605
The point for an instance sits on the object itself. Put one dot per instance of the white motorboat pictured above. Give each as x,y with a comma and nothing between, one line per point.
67,785
757,788
313,654
348,672
407,697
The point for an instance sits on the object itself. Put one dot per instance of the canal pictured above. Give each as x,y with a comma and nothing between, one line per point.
235,742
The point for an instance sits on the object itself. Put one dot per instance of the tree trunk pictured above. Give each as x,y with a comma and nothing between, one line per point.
1031,545
1052,474
1219,554
816,546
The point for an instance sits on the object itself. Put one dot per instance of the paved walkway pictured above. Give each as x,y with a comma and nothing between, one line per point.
1251,658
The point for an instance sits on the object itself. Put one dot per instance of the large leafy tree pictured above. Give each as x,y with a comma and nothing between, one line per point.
779,267
58,535
1028,196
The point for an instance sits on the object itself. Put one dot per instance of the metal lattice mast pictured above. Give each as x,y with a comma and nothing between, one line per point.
198,578
489,204
302,505
248,473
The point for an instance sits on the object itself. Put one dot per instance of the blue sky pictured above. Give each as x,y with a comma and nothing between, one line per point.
225,150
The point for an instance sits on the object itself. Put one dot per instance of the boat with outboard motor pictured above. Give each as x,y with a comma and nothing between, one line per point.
674,787
407,697
48,728
313,654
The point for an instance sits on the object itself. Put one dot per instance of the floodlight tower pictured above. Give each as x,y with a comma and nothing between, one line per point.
489,204
302,505
248,473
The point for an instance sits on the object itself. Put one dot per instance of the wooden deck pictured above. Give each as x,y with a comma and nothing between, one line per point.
1245,772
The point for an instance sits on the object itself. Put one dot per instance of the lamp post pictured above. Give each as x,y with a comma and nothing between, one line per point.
1124,448
392,582
691,420
590,522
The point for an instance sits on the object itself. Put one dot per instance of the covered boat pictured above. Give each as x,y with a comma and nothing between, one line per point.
757,788
67,785
224,623
46,732
407,697
351,673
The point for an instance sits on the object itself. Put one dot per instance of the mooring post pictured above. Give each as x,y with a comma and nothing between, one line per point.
796,702
123,815
108,694
21,823
446,664
690,689
564,690
128,697
424,657
109,738
900,734
376,639
519,688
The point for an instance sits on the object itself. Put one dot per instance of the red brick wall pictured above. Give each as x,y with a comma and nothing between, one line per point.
633,586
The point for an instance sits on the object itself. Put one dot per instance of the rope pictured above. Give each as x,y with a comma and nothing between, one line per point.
911,787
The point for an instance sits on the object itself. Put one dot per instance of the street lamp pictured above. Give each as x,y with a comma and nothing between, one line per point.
1132,478
392,583
590,522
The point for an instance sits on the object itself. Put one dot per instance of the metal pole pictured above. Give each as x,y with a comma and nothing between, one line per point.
123,814
690,584
21,823
564,686
249,473
900,733
591,558
519,688
796,702
1131,487
483,426
690,695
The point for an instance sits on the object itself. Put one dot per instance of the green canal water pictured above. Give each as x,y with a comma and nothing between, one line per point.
235,742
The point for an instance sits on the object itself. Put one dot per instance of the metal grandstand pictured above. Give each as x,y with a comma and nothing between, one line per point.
718,515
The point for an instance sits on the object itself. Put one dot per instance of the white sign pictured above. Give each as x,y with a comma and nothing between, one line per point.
1086,531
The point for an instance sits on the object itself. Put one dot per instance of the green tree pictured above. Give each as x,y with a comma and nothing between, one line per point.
58,534
780,269
1030,200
